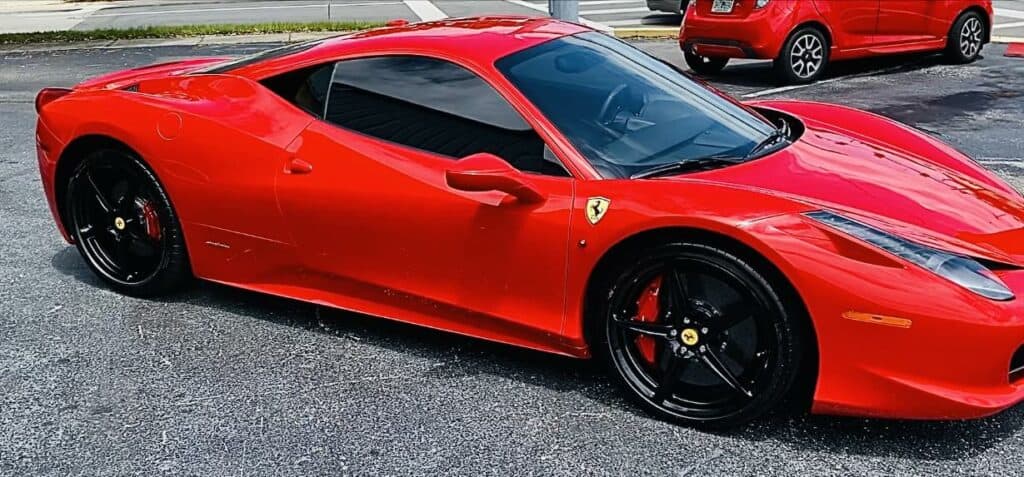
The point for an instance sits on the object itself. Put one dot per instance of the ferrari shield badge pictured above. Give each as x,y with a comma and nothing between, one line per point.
596,208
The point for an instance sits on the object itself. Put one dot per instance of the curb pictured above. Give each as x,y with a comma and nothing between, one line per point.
647,32
650,33
185,41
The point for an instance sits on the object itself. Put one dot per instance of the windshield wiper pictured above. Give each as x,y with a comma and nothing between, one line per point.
779,135
689,165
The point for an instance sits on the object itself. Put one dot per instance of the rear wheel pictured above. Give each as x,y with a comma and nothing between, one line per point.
704,65
124,226
966,38
803,57
697,336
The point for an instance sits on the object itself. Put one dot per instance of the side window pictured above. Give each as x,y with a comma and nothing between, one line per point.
305,88
435,106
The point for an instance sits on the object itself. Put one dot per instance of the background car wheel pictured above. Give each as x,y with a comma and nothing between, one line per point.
697,336
966,38
704,65
803,57
124,225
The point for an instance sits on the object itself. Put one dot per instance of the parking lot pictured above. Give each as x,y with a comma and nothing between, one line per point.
216,381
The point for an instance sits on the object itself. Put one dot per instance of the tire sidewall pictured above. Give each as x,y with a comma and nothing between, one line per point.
697,64
788,337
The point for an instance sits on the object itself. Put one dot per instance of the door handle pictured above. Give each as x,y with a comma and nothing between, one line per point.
298,166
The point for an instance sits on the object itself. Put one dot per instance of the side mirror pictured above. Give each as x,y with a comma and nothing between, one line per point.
484,172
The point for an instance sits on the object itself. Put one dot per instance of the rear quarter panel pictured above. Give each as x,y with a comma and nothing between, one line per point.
215,143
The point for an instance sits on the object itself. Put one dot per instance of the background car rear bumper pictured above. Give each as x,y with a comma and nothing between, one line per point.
759,35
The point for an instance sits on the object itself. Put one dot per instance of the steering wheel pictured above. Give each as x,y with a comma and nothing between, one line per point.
612,99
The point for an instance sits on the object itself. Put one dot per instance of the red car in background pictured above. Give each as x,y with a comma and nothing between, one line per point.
803,36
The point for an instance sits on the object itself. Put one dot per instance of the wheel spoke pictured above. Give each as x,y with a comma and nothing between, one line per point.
653,329
671,373
673,297
123,253
97,193
716,365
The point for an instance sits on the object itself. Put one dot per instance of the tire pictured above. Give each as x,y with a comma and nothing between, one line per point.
704,65
966,38
803,57
732,318
124,225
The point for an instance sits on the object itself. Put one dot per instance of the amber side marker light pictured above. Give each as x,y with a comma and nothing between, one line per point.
877,319
49,95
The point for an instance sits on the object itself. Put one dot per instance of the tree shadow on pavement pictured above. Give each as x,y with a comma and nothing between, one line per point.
463,356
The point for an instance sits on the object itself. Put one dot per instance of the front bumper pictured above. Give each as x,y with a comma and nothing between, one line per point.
954,359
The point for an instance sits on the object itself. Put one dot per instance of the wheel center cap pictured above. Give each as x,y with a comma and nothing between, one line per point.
119,223
689,337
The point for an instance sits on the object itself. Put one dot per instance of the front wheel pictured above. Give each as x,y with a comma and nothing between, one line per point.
704,65
697,336
803,57
966,38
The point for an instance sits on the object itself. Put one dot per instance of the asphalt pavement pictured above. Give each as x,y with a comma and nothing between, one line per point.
216,381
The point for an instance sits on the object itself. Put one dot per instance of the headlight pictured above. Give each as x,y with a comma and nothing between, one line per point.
963,271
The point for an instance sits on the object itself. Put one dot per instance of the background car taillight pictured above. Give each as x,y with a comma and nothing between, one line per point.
49,95
761,4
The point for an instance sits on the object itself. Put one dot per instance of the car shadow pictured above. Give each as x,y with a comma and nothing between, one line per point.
760,74
463,356
662,19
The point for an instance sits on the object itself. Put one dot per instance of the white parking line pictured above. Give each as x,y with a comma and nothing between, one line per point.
543,8
426,10
1008,25
783,89
237,9
609,11
1006,12
587,3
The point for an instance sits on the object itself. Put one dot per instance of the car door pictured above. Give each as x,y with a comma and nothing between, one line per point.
906,21
374,219
853,22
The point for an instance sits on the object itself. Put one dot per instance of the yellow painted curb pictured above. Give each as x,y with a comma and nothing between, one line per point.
647,32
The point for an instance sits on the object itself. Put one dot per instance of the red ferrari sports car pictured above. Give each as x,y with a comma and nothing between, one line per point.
540,184
803,36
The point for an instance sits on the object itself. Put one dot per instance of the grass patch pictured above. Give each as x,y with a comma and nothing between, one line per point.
180,31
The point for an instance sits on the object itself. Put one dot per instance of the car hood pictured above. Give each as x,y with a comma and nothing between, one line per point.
891,188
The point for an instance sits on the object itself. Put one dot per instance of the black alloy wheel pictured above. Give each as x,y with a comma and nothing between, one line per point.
124,226
698,336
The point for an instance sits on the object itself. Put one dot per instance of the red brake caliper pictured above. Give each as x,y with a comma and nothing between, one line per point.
151,221
648,310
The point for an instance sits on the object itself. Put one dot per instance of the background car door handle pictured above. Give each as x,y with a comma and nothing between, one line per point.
298,166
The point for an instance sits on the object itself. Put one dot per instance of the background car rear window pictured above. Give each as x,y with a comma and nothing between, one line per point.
435,106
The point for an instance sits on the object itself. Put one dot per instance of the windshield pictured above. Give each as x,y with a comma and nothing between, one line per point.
628,112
